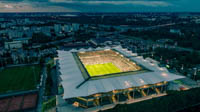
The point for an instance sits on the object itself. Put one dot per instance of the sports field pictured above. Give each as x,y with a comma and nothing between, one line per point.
102,69
19,78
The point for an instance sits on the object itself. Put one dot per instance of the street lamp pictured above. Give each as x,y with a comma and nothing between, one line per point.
195,73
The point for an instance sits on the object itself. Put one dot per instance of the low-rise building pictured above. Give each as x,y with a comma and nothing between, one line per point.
13,45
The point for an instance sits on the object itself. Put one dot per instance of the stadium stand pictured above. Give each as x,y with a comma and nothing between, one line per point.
108,56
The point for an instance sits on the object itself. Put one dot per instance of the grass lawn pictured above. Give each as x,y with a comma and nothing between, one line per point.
49,104
177,81
19,78
102,69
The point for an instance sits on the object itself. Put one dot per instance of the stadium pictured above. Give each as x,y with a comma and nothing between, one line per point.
102,76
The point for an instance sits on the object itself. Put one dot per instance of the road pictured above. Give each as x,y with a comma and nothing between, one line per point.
53,42
144,27
55,81
42,90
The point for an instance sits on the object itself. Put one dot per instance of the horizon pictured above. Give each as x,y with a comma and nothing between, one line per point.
103,12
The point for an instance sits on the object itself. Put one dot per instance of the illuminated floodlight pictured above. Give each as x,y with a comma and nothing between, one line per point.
97,95
164,74
139,57
167,66
130,89
142,81
161,69
129,51
145,86
152,64
115,91
56,58
127,83
76,104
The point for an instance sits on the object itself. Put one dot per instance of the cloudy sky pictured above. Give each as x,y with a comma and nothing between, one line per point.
99,5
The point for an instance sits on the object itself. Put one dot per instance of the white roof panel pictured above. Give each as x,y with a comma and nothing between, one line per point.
72,76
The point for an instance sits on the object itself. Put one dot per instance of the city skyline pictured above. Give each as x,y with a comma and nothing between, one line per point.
99,6
108,56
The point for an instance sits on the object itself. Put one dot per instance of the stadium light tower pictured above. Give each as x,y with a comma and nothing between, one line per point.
161,58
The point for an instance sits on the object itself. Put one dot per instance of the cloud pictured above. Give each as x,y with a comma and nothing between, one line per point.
8,6
145,3
24,1
100,5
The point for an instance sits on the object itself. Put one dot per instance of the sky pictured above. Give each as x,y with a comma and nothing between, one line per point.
99,5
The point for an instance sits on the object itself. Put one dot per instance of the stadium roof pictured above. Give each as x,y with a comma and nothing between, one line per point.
72,77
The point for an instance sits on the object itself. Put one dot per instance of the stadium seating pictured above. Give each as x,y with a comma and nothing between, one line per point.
108,56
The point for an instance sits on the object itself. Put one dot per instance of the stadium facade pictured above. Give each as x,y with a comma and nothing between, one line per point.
101,76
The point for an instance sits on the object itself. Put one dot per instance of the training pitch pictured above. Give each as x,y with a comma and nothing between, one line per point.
19,78
102,69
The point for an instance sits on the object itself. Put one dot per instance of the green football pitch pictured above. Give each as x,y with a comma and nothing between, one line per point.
19,78
102,69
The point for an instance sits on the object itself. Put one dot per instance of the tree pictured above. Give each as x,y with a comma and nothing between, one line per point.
40,38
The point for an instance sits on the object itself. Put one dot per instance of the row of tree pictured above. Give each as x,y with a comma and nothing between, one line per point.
188,38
